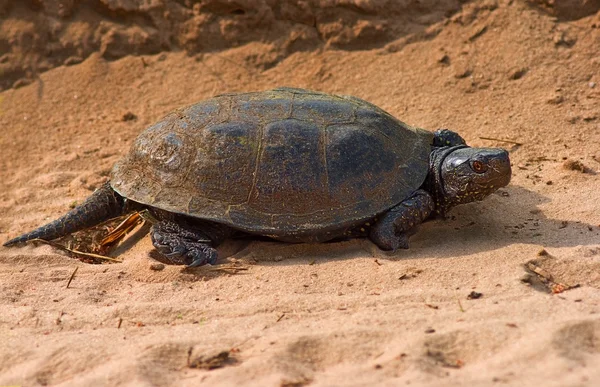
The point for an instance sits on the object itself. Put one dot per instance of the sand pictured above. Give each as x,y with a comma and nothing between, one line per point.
504,292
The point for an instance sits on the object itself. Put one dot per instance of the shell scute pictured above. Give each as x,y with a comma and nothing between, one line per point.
289,168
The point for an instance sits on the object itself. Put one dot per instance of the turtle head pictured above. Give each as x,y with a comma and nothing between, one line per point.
463,174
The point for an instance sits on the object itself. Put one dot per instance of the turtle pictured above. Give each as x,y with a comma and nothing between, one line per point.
289,164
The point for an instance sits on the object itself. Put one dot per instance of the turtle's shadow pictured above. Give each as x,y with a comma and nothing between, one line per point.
507,217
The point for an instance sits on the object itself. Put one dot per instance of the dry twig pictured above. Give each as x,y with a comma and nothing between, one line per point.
75,252
500,140
72,276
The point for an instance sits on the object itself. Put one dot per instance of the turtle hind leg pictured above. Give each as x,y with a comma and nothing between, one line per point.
393,228
102,205
185,244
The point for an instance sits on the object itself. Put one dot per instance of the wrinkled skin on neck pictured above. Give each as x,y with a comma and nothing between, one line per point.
462,174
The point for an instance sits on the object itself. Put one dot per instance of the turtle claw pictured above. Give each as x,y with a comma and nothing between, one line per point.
400,242
388,240
200,262
177,252
201,256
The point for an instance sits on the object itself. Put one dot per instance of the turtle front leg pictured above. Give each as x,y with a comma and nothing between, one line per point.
393,228
446,137
188,245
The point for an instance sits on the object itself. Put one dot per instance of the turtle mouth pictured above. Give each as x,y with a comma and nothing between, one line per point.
499,181
500,170
482,190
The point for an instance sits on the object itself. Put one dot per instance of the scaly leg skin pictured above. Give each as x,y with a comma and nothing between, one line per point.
393,228
183,245
445,137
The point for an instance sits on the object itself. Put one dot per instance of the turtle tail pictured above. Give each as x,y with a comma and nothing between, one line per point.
102,205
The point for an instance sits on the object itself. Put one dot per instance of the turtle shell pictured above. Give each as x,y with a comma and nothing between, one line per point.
288,163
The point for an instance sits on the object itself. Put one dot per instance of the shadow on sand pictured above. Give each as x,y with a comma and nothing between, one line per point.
507,217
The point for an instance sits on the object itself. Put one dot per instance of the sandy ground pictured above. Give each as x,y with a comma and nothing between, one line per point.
340,314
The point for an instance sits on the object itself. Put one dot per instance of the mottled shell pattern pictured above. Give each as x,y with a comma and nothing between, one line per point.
283,162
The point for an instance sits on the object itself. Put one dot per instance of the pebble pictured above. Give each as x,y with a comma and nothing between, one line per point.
157,266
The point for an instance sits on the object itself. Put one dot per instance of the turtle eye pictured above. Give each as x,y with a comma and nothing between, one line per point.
479,166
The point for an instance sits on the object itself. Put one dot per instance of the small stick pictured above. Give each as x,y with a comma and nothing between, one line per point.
123,228
280,317
76,252
147,216
498,139
225,268
72,276
120,322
